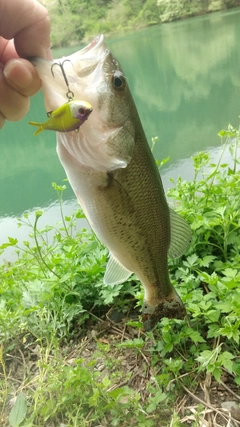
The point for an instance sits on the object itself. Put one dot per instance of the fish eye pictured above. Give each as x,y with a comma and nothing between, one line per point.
118,82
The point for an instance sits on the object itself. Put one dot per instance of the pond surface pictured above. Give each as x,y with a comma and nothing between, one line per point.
185,79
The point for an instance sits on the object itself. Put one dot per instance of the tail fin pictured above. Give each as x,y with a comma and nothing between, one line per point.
40,127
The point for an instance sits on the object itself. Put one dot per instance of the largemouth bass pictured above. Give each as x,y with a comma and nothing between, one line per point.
113,173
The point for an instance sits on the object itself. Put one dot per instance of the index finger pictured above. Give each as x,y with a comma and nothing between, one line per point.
28,23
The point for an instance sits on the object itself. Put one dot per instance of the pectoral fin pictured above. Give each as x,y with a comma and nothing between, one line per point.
180,235
115,272
117,197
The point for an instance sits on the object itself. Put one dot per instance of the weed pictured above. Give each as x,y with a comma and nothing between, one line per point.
64,363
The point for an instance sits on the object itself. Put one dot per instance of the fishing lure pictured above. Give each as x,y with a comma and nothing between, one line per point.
68,117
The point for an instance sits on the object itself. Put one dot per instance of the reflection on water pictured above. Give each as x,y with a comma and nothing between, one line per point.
184,167
185,80
9,226
52,216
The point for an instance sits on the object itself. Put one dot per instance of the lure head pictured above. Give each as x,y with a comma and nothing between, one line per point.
80,110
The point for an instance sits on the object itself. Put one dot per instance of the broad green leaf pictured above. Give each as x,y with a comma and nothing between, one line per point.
222,133
93,400
191,260
18,411
195,335
226,360
120,392
11,242
213,315
106,381
204,262
230,272
213,331
158,397
216,372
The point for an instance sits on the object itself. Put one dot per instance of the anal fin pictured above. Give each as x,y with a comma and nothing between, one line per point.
115,272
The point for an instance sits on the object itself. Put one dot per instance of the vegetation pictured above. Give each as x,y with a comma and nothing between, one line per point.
75,20
72,351
171,10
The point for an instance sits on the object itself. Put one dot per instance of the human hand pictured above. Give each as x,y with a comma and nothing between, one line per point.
24,32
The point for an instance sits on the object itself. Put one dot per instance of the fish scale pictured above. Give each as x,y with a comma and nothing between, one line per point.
112,171
151,208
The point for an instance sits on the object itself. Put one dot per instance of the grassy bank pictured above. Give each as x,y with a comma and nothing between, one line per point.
76,20
72,351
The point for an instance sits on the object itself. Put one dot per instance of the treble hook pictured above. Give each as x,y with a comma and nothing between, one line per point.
69,94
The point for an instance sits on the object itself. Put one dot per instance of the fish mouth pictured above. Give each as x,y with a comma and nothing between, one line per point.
95,44
86,60
82,72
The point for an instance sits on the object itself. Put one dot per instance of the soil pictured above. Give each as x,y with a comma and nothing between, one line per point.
211,403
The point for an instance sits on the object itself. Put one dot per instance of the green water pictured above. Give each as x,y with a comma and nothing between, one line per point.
185,79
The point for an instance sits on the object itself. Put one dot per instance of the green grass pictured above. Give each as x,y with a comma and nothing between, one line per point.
65,362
